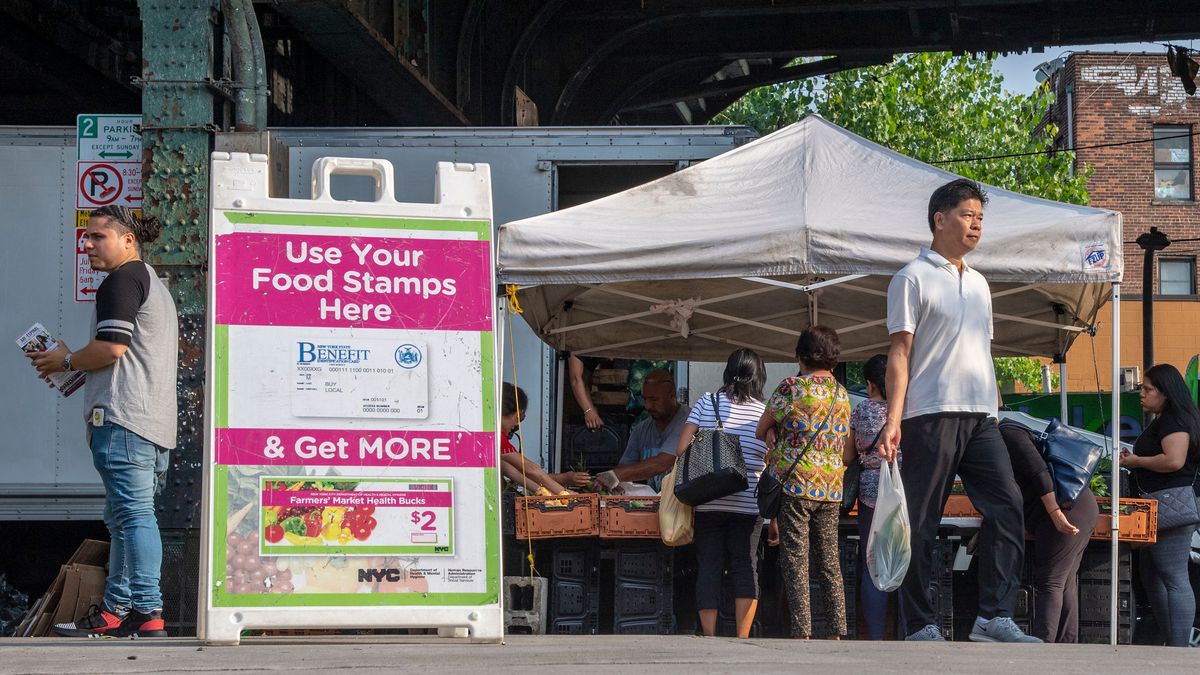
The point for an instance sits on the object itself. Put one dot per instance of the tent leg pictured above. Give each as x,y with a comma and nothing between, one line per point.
1115,482
1062,392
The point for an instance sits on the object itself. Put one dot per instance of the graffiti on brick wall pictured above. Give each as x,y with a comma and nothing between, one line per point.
1154,86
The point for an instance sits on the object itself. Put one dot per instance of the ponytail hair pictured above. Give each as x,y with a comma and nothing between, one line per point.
744,376
875,372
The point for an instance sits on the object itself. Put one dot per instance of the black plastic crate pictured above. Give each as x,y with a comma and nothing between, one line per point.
1096,632
643,561
1096,564
588,626
180,580
1095,601
662,626
574,587
636,601
508,513
643,588
594,450
1023,608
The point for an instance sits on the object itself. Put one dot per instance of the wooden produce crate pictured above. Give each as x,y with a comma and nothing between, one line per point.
1138,523
617,377
959,506
562,516
629,517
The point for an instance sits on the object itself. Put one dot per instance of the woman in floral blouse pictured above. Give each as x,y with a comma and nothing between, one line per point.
808,418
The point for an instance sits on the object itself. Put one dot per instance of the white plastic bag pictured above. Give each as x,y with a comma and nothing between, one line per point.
674,517
889,541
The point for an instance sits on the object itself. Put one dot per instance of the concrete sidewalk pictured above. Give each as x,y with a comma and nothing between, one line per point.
607,653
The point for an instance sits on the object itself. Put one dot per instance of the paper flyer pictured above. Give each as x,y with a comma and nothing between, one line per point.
38,339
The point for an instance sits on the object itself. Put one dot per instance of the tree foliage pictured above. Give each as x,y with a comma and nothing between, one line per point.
1022,370
936,107
932,107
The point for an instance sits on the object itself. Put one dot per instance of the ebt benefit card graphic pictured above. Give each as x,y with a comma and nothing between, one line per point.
337,515
360,377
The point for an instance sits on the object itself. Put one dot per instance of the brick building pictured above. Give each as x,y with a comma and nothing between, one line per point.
1110,98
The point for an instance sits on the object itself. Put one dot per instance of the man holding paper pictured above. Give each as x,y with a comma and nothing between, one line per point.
131,365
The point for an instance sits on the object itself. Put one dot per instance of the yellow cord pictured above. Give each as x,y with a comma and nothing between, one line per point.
514,307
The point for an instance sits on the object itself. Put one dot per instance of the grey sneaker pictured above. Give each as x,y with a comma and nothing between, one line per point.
999,629
930,633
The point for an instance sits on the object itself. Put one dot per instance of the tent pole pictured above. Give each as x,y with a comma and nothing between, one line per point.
1062,391
1115,482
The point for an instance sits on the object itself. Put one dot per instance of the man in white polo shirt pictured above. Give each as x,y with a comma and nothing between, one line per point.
942,402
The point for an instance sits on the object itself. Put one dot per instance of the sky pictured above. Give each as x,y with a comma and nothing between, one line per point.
1018,69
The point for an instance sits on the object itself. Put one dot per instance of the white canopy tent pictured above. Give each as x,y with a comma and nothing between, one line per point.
806,225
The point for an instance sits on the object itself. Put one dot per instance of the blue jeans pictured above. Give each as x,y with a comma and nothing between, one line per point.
874,601
131,468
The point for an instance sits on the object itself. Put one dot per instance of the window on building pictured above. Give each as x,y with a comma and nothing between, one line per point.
1176,276
1172,162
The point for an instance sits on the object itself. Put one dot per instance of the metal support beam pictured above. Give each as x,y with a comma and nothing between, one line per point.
739,85
177,123
371,62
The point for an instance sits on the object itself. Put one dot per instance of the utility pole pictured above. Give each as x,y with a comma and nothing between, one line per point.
1150,242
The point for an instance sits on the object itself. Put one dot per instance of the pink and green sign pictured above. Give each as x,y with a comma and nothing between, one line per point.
353,449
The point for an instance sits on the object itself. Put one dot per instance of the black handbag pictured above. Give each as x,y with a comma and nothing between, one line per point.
713,465
769,492
1072,458
851,476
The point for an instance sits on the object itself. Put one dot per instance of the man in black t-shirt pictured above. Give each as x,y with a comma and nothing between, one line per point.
131,364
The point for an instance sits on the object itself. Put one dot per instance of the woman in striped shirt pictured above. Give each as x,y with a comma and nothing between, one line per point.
727,529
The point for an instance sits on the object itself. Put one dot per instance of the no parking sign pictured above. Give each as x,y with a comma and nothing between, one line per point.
104,183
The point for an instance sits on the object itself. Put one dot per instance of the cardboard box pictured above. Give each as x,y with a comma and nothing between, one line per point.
79,585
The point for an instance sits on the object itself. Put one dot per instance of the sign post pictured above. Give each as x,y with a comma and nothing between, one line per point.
351,464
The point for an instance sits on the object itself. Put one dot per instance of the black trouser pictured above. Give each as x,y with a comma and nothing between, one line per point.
935,448
725,541
1056,569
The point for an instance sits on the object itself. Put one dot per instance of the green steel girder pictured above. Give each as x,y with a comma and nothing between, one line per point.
177,131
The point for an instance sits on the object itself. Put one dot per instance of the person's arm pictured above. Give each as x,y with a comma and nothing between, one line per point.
573,479
1057,517
897,387
660,463
645,469
512,471
532,472
850,449
765,431
1172,458
97,354
117,303
591,417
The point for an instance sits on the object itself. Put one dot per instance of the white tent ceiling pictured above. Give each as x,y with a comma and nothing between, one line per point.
805,225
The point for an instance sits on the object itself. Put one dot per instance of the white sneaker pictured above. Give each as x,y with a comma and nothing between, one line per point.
999,629
930,633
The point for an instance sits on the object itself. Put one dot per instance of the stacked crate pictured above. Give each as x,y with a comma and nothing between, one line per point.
643,588
574,587
593,450
1095,595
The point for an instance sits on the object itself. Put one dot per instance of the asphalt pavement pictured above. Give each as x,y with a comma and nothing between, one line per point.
605,653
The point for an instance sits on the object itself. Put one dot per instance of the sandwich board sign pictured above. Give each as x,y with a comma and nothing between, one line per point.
351,458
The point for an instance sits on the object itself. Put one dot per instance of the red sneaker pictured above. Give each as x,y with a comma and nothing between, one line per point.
141,625
97,622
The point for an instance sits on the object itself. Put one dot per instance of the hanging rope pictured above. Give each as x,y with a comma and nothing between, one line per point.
514,307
